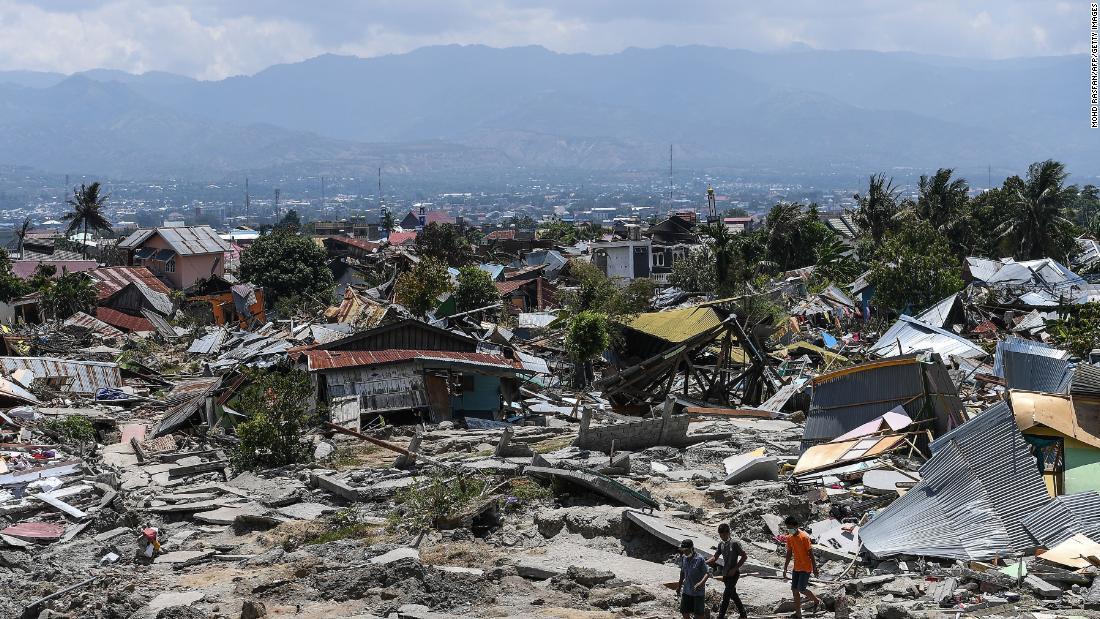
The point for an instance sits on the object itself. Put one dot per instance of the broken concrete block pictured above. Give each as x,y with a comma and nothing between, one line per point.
181,598
396,554
335,486
1042,587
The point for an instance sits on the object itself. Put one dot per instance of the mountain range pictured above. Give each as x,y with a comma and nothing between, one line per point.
473,110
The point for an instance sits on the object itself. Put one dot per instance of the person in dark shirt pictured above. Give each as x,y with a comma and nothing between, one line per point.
693,579
733,556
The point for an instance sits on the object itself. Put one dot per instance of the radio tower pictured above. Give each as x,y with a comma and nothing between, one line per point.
247,198
276,205
381,204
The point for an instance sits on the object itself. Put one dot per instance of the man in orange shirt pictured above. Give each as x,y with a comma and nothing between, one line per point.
799,547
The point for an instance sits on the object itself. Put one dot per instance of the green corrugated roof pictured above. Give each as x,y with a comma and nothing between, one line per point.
676,325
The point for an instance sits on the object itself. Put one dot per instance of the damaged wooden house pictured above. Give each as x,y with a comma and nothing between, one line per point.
410,371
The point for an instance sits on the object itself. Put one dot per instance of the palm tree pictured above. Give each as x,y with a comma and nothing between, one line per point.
87,212
1036,225
878,208
941,200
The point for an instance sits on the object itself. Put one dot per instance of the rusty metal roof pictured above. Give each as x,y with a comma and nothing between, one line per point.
87,376
123,321
333,359
362,244
110,280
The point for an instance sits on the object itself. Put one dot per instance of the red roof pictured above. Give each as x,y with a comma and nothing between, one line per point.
123,321
401,238
332,359
362,244
498,235
511,286
24,269
110,280
438,217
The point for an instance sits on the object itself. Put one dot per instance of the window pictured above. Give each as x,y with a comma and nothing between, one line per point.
659,259
170,266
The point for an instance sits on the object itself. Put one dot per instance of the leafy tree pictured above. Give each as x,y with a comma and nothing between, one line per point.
1087,208
1077,328
87,212
11,287
444,243
21,234
42,277
595,291
586,337
287,264
475,289
68,294
695,272
558,231
876,210
277,404
914,268
419,288
290,222
524,222
1036,225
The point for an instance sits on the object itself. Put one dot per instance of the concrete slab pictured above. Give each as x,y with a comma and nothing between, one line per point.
689,474
174,598
229,515
116,532
396,555
673,531
306,511
750,466
558,556
184,556
599,483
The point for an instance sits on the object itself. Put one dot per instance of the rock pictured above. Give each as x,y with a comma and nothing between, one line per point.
588,576
896,610
252,609
181,612
619,597
589,522
323,451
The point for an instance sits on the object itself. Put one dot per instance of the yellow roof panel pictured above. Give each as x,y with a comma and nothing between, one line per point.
676,325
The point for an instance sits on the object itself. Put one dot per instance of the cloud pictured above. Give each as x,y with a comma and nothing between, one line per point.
211,39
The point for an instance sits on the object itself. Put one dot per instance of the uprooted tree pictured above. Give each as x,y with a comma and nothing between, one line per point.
277,404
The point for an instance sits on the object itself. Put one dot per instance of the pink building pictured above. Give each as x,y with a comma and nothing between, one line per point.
178,256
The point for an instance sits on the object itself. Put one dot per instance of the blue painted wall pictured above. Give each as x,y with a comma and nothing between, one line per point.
482,401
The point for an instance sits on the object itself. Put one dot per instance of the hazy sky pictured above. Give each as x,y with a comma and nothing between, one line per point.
212,39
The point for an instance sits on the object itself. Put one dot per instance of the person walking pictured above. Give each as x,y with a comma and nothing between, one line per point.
800,548
733,556
693,579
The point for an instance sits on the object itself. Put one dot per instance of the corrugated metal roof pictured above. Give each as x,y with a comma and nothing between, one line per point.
1032,366
535,320
87,376
938,315
361,244
402,238
80,319
110,280
676,325
915,335
186,399
331,359
975,491
1065,517
1086,380
123,321
208,344
848,398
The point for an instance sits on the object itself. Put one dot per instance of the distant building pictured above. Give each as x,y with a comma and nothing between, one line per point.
179,255
623,261
738,225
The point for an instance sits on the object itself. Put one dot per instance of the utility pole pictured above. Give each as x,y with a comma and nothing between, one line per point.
322,195
381,203
276,205
247,199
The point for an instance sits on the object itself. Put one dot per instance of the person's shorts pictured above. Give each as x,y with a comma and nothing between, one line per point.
694,604
800,581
